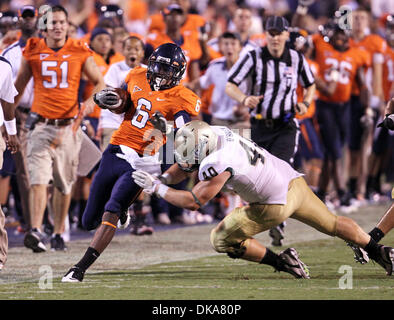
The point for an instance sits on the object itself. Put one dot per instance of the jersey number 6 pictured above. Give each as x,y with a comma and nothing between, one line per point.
141,116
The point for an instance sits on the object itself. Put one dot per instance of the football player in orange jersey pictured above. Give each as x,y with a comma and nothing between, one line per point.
173,17
190,22
361,121
135,144
56,63
332,108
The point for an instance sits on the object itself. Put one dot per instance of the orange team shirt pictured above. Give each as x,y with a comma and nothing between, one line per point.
103,67
56,76
191,46
259,38
346,63
193,23
372,44
388,73
137,10
134,132
300,93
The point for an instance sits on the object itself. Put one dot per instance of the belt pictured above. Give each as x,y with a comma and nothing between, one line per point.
271,123
56,122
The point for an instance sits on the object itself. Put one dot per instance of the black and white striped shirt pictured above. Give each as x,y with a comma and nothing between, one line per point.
275,78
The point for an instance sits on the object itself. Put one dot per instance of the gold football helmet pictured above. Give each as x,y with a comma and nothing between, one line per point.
193,142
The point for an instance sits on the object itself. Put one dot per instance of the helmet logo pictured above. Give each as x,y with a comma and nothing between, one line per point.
163,59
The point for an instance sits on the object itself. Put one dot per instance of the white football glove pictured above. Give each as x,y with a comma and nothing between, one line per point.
146,181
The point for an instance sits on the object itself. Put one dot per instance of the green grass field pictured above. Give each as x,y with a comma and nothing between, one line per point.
180,264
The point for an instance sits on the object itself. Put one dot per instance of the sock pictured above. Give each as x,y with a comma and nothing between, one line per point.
88,259
376,234
369,185
372,249
137,206
376,183
340,192
352,185
82,206
272,259
139,220
321,194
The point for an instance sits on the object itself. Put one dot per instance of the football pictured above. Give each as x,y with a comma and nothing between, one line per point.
125,103
115,100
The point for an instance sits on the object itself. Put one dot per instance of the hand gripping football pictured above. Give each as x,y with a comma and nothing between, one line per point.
115,100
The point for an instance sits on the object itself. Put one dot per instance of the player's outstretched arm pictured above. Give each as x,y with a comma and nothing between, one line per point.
93,73
174,175
192,200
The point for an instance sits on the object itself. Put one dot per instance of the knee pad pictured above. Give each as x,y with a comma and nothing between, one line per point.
233,250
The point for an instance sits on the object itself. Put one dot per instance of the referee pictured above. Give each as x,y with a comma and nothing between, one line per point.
272,73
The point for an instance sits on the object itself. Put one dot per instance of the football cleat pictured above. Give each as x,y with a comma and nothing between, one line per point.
360,255
277,236
33,240
386,259
124,220
142,230
293,265
57,243
75,274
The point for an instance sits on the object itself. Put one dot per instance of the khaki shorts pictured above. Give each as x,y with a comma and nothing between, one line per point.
52,154
2,149
106,137
245,222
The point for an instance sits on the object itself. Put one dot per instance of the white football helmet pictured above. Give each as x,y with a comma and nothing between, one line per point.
193,142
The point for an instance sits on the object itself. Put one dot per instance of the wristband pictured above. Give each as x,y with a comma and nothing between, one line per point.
307,104
162,190
10,126
243,101
164,178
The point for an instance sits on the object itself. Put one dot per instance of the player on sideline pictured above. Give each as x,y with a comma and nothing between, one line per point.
56,63
134,145
273,189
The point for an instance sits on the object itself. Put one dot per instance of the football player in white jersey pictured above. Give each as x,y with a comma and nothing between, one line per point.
273,189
